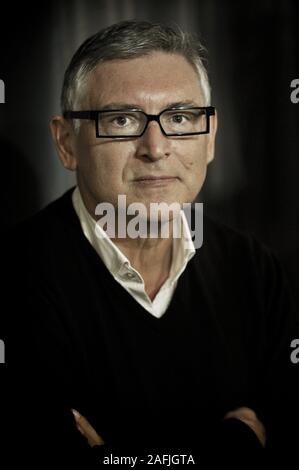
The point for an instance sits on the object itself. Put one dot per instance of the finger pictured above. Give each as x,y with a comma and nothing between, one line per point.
248,416
87,430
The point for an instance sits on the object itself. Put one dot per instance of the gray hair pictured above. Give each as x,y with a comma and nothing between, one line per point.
128,40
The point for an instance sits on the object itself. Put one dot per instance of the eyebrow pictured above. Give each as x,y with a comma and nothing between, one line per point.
183,104
121,105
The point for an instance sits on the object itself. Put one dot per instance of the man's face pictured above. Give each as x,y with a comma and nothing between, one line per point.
107,167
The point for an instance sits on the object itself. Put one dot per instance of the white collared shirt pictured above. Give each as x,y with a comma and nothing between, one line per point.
122,270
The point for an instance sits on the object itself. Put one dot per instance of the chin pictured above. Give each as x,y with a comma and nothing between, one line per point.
163,211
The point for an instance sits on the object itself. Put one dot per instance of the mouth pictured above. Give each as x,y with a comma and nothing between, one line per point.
149,180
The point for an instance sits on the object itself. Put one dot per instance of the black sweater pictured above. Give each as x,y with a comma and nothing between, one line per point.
79,340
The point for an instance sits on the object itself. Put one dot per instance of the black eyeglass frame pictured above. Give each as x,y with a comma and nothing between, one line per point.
94,116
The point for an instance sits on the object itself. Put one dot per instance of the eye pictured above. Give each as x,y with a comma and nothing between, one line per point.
120,120
179,118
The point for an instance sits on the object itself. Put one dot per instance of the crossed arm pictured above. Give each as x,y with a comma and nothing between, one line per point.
244,414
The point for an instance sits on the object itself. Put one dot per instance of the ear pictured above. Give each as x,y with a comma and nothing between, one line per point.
63,136
212,136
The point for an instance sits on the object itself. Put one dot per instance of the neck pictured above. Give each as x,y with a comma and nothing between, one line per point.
152,258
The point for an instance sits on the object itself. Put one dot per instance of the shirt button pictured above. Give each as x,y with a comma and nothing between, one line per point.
130,275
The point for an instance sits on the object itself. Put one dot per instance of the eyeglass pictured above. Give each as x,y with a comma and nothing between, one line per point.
119,123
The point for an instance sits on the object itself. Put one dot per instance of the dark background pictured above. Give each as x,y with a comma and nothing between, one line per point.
253,50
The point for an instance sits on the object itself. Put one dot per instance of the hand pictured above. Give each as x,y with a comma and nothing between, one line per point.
87,430
248,416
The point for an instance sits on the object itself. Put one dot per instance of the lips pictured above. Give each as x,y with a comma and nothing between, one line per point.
150,181
153,178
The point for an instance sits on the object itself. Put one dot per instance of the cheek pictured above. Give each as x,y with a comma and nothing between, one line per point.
98,163
194,160
195,167
111,161
100,172
107,173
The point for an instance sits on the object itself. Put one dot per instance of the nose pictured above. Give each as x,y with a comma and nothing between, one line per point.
153,144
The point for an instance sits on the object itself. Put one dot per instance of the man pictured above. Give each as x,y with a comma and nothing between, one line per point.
145,343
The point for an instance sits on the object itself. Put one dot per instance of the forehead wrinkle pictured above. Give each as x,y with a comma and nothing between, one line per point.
153,102
151,90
